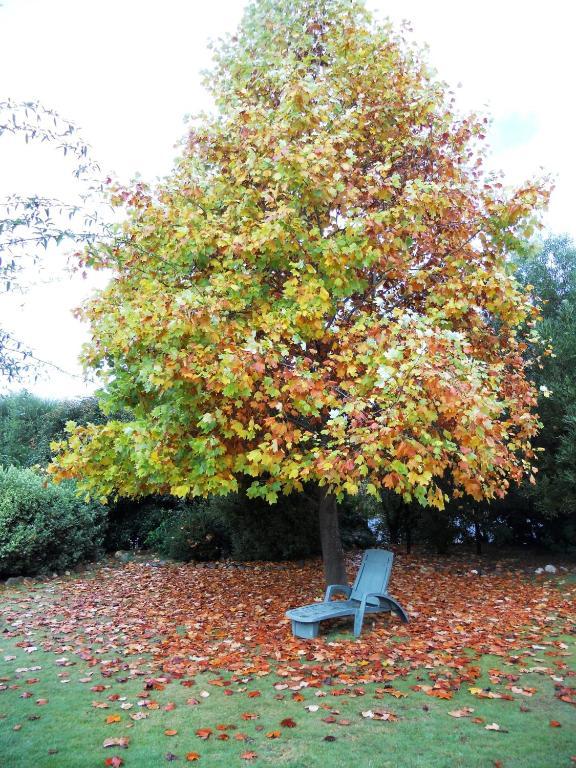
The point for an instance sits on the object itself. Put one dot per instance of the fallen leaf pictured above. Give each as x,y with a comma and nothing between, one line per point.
495,727
288,723
555,724
115,761
273,734
464,712
248,755
170,732
121,741
113,719
192,757
204,733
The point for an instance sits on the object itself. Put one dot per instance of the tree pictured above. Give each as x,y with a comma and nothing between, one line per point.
319,293
552,273
28,224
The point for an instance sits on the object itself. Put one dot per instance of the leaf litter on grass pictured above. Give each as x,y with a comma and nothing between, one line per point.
500,615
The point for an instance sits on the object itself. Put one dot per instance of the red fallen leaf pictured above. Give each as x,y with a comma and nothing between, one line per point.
340,692
169,707
98,689
273,734
192,702
329,719
223,736
113,719
329,738
477,720
26,695
115,761
32,680
288,723
248,755
555,724
170,732
240,736
224,727
41,702
228,692
192,756
100,705
114,697
297,697
344,722
498,764
204,733
253,694
249,716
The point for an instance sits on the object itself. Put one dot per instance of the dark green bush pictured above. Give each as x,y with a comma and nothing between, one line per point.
44,527
191,531
252,529
131,521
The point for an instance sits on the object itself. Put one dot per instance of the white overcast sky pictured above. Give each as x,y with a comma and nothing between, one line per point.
127,72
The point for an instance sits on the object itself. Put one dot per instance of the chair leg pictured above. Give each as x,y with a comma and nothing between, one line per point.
358,621
305,630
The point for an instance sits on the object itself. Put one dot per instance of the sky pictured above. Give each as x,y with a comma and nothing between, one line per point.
128,71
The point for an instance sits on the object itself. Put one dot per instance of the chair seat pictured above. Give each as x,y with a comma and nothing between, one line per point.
319,611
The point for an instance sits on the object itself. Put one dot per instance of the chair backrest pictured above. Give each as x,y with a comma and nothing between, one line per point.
373,574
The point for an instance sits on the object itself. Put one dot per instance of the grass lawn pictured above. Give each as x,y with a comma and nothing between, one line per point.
126,645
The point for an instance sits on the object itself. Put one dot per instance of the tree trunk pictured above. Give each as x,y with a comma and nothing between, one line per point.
332,554
478,537
408,534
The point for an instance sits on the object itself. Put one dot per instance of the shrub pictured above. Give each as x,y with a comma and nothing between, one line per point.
194,530
131,521
252,529
43,526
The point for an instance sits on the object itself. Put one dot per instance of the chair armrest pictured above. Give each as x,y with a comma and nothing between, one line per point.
344,588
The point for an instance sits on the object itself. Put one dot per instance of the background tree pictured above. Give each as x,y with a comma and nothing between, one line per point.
552,272
29,225
319,293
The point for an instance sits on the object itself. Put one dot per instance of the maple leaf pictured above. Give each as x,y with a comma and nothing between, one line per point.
191,757
204,733
288,723
248,755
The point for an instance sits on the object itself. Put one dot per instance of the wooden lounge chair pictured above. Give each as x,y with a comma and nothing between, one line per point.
367,595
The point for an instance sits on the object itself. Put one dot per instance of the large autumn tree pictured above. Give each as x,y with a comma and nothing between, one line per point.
319,293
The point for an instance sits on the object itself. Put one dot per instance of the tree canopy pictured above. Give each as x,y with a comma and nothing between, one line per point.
319,292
